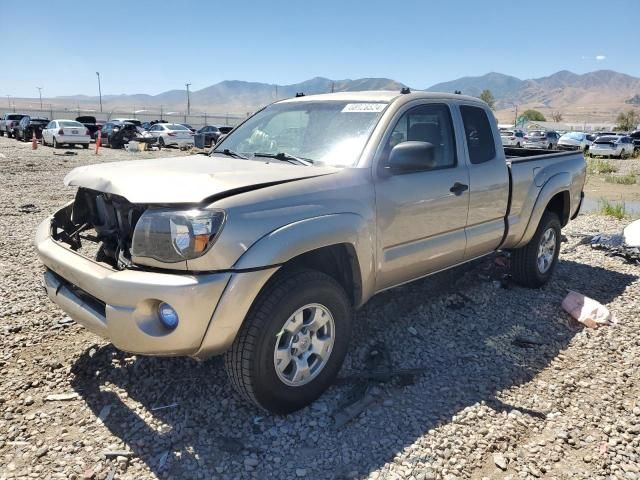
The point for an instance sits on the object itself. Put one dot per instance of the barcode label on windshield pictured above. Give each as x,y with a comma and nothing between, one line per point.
363,107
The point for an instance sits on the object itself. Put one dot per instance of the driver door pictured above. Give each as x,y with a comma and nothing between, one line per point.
421,215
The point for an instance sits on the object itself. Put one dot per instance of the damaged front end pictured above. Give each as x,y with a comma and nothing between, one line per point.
98,226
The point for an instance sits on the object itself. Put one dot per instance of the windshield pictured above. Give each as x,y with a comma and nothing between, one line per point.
15,117
175,126
536,134
573,136
325,133
70,123
606,139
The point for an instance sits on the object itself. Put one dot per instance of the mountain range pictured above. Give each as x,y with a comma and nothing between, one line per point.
594,96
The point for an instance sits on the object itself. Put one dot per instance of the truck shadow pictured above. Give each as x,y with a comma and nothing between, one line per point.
461,330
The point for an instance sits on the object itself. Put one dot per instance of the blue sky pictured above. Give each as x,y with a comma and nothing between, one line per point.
150,47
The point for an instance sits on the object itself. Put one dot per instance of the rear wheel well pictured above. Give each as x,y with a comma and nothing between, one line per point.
339,262
560,204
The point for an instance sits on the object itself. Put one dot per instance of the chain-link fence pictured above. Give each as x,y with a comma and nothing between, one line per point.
196,120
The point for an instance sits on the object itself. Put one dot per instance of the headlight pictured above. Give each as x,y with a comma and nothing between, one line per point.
172,236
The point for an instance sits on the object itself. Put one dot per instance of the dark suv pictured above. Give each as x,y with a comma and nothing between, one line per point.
29,125
213,133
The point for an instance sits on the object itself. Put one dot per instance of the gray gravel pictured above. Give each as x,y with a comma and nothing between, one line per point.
507,385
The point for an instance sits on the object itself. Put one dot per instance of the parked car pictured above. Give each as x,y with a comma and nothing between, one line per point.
8,122
193,130
512,138
171,134
91,124
263,253
148,125
65,132
575,141
541,139
29,125
118,134
135,121
612,146
213,133
635,136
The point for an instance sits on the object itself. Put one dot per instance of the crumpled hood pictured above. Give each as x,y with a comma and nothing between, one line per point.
189,179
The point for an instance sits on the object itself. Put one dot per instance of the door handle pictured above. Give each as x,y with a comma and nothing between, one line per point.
459,188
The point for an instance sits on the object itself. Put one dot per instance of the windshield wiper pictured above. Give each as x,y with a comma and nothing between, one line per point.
231,153
286,157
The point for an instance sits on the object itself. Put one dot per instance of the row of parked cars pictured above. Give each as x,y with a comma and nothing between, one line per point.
115,133
598,144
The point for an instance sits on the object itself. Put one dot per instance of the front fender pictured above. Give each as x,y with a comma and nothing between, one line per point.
297,238
558,183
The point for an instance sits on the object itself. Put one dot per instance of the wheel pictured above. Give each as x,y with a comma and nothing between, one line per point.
161,142
85,146
622,154
1,133
292,343
8,133
550,147
533,264
55,143
43,141
518,145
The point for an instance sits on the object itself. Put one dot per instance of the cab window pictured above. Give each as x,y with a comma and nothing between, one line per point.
479,135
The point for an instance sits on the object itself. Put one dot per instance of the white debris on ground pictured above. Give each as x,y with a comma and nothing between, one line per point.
487,380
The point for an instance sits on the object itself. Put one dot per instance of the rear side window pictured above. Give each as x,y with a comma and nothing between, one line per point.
479,134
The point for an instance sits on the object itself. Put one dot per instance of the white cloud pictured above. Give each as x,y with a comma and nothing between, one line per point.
601,57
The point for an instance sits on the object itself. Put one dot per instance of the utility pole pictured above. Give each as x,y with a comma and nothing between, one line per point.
40,93
188,99
276,92
333,87
9,100
99,90
515,121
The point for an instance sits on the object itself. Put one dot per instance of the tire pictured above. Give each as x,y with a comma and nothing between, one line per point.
8,133
622,154
250,362
1,133
85,146
43,141
55,143
526,268
161,142
550,147
518,145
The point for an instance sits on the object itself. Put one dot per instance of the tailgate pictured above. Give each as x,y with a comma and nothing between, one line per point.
74,131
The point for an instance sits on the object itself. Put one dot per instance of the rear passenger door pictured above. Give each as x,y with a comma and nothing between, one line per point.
488,181
421,215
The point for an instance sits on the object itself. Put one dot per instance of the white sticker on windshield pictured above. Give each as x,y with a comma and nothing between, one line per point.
364,107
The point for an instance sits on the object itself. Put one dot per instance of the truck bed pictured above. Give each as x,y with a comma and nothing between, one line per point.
531,171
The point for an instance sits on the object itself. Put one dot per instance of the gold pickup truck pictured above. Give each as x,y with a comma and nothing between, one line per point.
262,250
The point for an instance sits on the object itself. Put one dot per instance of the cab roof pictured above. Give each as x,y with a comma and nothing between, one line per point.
379,96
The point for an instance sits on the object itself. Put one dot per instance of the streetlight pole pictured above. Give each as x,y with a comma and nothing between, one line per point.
40,93
188,99
99,90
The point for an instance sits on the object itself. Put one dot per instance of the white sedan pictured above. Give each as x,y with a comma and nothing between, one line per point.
575,141
171,134
65,132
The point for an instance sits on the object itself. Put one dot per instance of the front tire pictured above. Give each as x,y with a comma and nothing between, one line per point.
292,342
533,264
85,146
161,142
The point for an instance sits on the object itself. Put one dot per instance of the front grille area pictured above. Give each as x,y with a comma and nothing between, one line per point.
95,304
99,226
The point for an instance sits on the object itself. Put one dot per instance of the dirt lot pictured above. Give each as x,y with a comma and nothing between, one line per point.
505,384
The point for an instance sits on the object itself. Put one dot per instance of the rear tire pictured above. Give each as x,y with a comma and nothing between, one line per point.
533,264
55,143
85,146
161,142
280,324
43,141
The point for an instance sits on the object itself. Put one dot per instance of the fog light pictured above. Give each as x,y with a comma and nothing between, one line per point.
168,316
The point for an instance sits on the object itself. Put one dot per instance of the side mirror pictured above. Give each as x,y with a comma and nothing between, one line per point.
411,156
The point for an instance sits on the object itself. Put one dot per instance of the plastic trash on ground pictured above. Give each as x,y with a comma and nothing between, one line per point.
631,234
587,311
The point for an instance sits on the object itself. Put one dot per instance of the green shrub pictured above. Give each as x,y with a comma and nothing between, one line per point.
598,165
612,209
621,179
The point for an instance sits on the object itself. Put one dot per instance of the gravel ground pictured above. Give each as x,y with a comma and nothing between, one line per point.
503,384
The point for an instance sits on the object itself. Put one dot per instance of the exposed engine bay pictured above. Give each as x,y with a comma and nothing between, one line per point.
99,226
